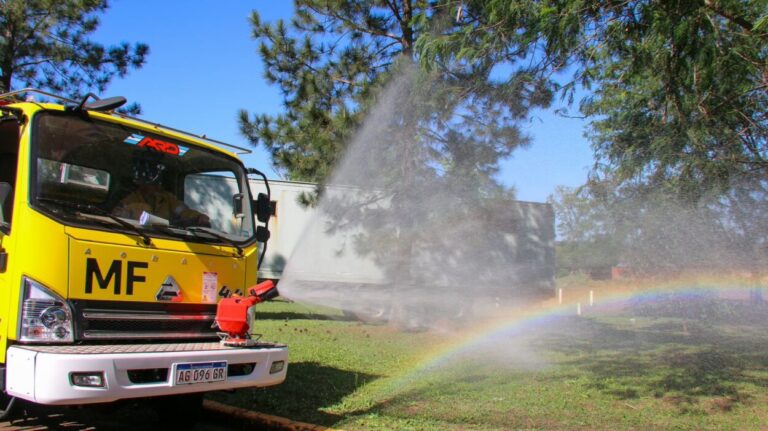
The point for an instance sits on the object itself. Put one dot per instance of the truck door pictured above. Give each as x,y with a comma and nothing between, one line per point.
9,155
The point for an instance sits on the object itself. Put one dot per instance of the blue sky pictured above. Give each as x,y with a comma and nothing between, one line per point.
203,68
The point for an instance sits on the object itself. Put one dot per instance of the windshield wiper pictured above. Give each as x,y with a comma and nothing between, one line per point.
217,235
88,208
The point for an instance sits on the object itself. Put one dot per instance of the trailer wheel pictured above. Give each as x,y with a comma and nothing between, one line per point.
410,318
179,412
7,406
371,315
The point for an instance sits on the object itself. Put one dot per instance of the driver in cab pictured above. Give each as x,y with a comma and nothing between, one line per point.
151,198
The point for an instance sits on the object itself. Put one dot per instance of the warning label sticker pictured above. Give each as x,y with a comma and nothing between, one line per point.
210,287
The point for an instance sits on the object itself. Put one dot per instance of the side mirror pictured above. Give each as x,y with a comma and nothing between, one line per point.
263,208
107,104
262,234
101,105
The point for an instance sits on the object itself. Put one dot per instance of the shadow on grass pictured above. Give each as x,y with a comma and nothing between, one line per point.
675,358
308,389
292,315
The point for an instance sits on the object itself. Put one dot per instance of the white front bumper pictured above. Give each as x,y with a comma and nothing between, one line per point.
42,373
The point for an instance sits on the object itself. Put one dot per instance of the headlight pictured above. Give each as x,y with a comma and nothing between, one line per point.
45,316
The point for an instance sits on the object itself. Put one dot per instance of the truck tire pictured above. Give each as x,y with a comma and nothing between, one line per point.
7,406
179,412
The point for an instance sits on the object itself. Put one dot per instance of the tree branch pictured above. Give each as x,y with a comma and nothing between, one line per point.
738,20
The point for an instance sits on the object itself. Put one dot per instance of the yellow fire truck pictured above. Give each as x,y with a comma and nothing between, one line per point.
118,237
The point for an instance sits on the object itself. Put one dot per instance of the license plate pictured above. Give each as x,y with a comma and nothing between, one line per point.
199,372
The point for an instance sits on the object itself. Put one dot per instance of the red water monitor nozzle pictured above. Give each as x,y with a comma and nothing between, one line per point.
233,314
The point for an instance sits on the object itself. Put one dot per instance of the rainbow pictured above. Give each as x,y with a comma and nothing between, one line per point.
523,321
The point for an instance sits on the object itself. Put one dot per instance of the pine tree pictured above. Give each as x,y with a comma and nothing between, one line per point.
429,136
44,44
677,87
334,57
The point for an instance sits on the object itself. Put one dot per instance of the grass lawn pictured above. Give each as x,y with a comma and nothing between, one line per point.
700,364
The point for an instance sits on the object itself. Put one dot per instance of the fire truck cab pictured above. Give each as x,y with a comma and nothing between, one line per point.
118,237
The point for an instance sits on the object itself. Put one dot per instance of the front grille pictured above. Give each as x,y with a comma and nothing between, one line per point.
120,321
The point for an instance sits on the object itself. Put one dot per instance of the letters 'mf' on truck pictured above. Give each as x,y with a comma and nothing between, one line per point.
116,239
114,275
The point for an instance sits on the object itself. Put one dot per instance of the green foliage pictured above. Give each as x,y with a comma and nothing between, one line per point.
326,62
678,88
581,215
586,230
652,231
332,62
681,96
677,99
594,257
45,45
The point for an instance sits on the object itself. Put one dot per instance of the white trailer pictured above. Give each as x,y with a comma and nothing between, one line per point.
525,248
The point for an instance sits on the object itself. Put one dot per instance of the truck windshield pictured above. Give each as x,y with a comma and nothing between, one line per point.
160,185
